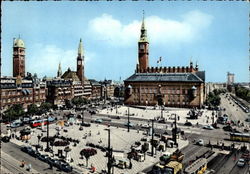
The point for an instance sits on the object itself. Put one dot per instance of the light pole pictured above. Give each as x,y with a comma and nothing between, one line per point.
128,120
83,116
47,148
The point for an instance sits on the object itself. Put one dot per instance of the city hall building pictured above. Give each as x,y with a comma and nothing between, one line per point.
168,86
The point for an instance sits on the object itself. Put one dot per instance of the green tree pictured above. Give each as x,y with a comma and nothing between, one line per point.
14,112
32,109
45,107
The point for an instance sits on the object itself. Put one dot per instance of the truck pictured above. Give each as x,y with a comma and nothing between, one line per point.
174,167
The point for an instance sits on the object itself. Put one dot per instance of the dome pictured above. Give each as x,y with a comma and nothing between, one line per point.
19,43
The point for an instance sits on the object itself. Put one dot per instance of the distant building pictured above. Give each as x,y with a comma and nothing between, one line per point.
21,89
59,90
96,89
230,78
168,86
15,90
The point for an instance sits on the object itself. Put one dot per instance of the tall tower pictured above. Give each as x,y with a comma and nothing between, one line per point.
59,72
18,58
80,62
143,48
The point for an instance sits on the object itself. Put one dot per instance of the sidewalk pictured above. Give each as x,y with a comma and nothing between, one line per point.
168,114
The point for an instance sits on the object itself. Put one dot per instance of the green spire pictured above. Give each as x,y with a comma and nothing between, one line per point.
143,37
80,48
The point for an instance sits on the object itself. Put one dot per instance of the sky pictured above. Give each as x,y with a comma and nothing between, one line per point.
214,34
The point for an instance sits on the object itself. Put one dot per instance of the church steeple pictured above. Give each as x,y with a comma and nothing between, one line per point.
143,48
143,37
80,63
59,72
80,48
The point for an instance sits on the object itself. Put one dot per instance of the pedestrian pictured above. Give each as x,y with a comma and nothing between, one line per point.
130,165
29,167
22,163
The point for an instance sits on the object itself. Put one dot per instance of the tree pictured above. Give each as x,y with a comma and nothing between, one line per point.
78,101
14,112
45,107
87,153
32,109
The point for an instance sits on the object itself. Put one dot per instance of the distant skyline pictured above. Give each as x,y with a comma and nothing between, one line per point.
215,34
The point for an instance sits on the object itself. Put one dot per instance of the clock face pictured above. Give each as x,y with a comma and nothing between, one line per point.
79,62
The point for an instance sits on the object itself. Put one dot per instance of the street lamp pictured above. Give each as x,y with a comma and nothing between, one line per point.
47,148
83,116
128,119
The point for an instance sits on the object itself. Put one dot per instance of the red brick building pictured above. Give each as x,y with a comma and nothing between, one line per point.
18,58
168,86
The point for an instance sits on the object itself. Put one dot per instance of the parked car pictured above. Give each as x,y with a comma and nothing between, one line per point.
188,124
66,168
200,142
98,120
86,124
145,126
129,124
228,128
208,127
26,149
241,162
43,157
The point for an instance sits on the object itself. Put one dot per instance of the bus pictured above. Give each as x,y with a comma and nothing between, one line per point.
197,167
240,137
36,123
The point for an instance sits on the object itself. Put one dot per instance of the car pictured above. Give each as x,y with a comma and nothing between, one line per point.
43,157
26,149
86,124
200,142
66,168
208,127
188,124
129,124
145,126
247,120
98,120
228,128
241,162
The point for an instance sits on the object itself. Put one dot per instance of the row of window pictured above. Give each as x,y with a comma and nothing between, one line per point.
169,98
162,90
11,100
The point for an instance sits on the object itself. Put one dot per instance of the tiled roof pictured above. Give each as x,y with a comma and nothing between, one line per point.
167,77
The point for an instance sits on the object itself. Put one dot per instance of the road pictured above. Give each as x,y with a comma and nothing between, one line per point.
14,151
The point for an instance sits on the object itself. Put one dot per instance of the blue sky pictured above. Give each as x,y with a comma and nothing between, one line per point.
215,34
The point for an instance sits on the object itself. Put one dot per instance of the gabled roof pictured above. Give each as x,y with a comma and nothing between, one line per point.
167,77
70,75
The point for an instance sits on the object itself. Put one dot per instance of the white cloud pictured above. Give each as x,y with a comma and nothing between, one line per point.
188,29
47,57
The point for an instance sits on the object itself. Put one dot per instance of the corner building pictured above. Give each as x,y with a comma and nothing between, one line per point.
168,86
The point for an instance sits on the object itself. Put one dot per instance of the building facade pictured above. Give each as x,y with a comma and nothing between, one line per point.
230,78
168,86
21,91
59,90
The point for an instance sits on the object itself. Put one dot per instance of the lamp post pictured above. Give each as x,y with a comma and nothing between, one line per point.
38,137
83,116
47,148
128,120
